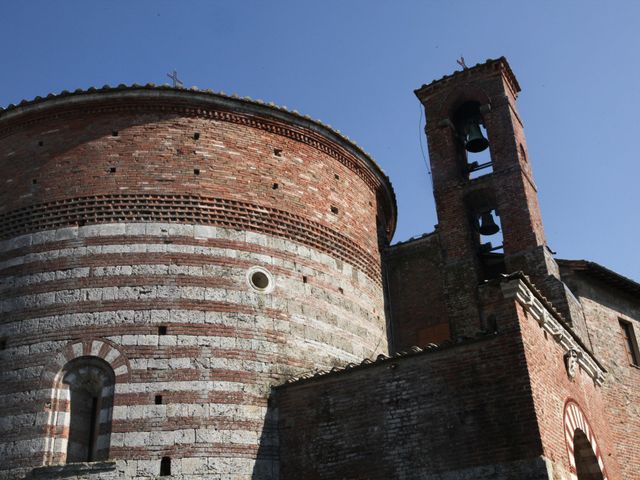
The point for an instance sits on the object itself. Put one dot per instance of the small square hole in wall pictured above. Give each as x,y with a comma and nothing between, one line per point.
3,343
334,209
40,143
112,169
196,135
336,176
162,330
304,279
196,171
275,186
277,152
34,181
341,290
114,133
158,399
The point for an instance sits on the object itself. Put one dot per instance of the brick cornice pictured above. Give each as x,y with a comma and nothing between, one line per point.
548,319
214,106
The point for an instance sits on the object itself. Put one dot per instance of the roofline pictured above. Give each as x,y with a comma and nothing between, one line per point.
602,273
447,344
40,105
498,64
413,351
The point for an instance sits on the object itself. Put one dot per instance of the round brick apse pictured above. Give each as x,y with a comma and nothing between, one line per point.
166,256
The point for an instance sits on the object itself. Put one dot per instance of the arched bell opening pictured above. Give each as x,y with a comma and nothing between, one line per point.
474,144
487,232
587,467
491,249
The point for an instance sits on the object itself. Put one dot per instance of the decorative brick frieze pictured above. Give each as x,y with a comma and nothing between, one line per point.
196,210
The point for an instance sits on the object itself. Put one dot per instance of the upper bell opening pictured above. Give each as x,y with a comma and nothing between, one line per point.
468,121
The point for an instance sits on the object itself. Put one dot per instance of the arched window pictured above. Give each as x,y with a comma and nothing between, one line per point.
84,403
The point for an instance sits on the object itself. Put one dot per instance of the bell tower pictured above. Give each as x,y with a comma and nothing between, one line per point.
488,215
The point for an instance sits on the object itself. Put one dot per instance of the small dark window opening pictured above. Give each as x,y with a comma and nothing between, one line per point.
334,209
304,279
630,342
158,399
341,290
275,186
3,343
162,330
40,143
92,428
34,181
196,171
196,135
114,133
165,466
277,152
112,169
336,176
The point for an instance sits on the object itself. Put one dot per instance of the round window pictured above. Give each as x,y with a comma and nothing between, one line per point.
260,279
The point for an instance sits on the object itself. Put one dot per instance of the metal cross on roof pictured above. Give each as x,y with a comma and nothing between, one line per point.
461,62
174,77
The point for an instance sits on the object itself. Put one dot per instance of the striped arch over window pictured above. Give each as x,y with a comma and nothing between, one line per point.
80,411
585,456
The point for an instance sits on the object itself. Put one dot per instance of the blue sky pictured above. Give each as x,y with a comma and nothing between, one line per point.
355,63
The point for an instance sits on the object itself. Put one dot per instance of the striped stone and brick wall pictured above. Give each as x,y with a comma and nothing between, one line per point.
132,222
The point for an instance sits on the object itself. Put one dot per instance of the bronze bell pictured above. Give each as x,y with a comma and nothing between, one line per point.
475,141
487,225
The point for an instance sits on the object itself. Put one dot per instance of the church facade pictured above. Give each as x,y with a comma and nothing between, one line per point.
202,286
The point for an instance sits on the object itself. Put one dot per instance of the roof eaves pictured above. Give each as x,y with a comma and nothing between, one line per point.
602,273
382,358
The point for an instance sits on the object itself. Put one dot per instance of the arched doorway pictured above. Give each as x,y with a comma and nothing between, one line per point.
587,467
585,457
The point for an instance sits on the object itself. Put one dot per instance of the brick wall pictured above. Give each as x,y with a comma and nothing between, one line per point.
415,296
604,306
458,412
552,388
